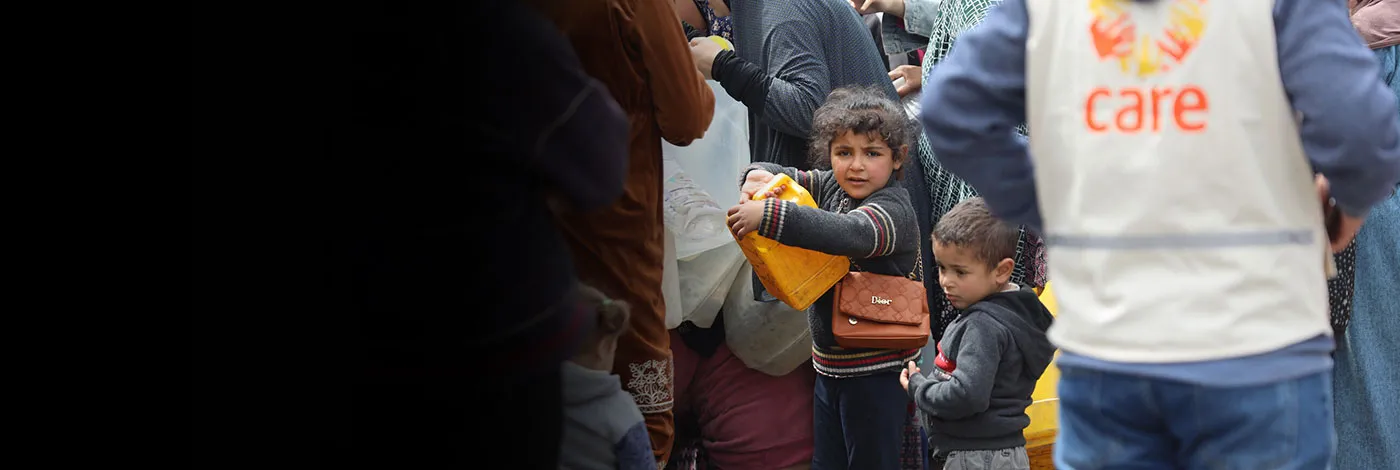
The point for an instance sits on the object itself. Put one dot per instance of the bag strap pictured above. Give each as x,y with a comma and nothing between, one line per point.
918,264
914,274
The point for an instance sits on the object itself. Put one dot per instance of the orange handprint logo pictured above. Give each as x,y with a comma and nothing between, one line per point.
1112,39
1146,40
1187,24
1143,54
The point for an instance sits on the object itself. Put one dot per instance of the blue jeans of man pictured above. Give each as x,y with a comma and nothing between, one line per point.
1111,421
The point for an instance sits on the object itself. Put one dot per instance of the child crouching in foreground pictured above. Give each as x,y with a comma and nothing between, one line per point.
991,355
603,429
860,139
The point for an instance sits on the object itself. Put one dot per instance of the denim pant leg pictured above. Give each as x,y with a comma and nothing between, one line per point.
1110,422
1283,426
1367,382
1389,58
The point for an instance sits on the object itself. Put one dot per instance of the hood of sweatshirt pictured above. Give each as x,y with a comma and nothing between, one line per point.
1027,319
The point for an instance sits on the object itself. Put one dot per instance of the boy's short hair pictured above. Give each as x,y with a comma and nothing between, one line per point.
970,224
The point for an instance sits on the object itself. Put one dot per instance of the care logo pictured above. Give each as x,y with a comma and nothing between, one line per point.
1117,36
1149,105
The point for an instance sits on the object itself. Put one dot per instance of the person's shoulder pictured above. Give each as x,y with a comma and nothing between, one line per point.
804,11
893,194
985,312
978,312
1016,302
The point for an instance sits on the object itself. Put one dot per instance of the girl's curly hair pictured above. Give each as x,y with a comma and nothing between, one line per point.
863,110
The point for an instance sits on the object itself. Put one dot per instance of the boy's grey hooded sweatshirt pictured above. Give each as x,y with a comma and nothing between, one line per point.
988,363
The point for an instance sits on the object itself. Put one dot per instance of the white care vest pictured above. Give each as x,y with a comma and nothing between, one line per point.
1179,210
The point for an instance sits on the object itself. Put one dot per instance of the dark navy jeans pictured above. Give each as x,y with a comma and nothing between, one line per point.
859,422
1114,421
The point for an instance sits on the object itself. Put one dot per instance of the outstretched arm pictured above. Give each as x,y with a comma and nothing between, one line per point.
883,224
786,94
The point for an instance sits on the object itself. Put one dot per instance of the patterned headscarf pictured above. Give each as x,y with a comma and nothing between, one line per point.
722,26
945,188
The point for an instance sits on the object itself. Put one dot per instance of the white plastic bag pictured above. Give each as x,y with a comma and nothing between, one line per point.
700,182
696,289
671,282
696,219
710,184
706,280
910,101
769,337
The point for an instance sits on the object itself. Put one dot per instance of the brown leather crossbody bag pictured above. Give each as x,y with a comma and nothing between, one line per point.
881,311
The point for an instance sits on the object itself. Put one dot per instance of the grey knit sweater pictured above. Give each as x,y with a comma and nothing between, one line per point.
880,234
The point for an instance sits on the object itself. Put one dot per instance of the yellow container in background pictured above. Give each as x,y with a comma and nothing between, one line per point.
1045,400
794,275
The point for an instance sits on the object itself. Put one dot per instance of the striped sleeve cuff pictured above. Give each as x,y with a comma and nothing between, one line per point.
774,212
883,227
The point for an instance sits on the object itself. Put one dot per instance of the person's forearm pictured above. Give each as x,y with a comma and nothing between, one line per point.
919,16
1350,129
743,81
681,100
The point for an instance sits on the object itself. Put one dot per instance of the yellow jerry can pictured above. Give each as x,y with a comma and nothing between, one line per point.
794,275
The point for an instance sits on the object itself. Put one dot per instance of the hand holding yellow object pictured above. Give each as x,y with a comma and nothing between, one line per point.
724,43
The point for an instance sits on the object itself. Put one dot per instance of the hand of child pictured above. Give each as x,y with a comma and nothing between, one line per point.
905,373
753,182
745,217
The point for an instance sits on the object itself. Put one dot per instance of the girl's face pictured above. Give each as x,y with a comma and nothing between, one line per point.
863,163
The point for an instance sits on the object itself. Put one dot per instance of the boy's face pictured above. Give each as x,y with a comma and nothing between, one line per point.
967,279
863,163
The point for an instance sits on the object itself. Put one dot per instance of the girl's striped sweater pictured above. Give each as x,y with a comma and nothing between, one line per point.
880,234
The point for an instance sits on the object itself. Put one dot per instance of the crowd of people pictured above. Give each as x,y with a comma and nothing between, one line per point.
1187,172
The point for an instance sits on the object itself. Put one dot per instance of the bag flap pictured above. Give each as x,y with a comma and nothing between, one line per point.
884,299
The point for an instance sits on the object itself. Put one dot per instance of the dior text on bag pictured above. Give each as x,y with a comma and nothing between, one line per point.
881,312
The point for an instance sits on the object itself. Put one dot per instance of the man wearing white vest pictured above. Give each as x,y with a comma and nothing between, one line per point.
1172,174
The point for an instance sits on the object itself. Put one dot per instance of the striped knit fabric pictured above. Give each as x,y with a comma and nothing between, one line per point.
884,235
879,233
773,214
945,188
838,364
